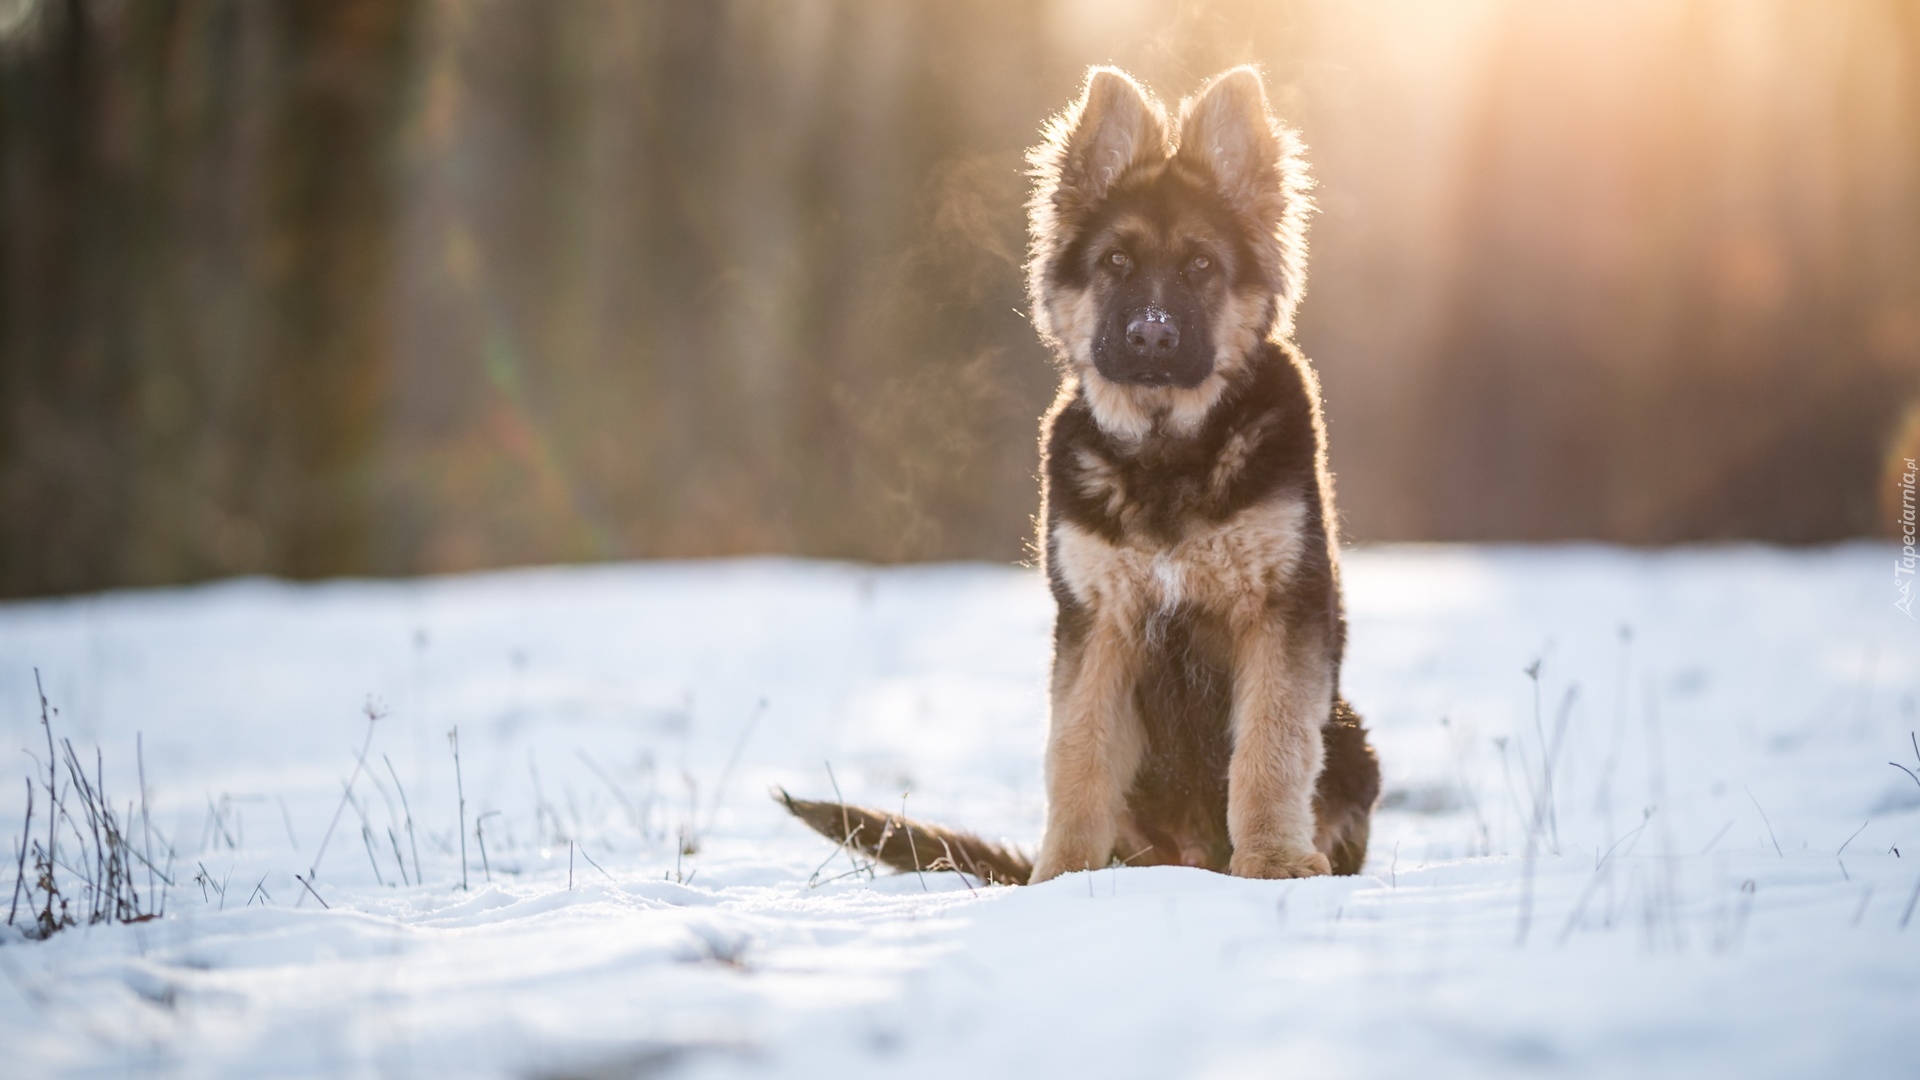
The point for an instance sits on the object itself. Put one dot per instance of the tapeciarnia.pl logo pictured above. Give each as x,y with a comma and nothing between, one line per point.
1903,567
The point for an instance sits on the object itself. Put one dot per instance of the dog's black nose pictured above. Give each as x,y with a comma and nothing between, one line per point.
1152,334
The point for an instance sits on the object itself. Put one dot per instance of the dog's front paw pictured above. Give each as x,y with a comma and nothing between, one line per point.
1258,863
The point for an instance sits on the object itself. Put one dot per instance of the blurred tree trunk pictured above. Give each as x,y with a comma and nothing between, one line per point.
69,409
330,174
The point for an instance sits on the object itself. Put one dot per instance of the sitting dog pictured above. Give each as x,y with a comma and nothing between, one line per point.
1189,534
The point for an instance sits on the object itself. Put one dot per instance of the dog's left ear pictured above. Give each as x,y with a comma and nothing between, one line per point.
1228,134
1226,130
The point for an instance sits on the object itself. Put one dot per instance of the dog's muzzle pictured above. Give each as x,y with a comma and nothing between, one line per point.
1150,353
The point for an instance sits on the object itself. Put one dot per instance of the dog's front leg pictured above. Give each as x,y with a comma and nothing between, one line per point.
1094,743
1282,692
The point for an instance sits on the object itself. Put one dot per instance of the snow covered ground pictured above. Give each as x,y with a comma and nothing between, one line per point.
1720,724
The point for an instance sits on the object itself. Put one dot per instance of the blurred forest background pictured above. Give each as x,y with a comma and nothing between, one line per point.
319,287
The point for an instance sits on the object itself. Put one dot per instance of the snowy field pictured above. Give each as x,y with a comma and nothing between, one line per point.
1629,863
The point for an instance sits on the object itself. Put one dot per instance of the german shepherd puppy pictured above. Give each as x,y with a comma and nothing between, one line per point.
1189,535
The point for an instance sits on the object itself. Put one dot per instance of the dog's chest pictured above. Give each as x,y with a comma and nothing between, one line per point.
1231,567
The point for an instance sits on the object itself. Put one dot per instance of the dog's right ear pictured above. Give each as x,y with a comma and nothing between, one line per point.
1113,127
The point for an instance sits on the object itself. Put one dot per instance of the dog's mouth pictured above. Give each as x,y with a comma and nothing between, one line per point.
1154,377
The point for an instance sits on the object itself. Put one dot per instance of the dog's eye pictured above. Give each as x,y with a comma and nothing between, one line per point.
1200,264
1119,259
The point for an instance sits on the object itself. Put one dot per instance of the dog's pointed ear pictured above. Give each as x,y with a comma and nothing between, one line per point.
1114,126
1228,135
1227,130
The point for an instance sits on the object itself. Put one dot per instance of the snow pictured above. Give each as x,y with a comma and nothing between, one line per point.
1681,908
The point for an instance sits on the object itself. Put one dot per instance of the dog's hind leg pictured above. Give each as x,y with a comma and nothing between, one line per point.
1348,787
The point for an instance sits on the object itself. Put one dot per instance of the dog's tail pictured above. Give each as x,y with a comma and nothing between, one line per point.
910,845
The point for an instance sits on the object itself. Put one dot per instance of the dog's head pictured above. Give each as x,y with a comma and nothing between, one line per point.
1163,251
